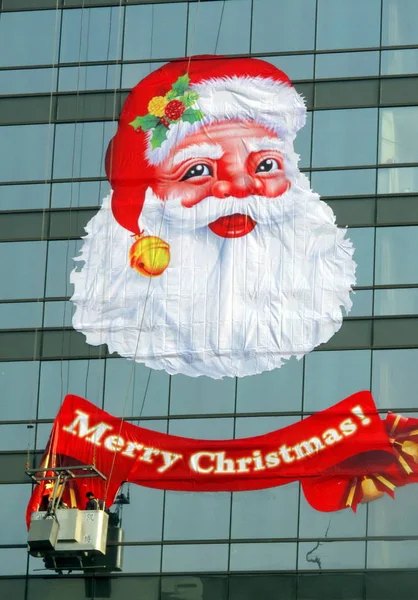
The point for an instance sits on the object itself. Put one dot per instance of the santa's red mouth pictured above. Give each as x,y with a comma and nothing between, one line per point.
233,226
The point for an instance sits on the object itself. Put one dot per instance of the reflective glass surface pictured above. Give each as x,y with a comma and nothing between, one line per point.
29,38
339,25
60,62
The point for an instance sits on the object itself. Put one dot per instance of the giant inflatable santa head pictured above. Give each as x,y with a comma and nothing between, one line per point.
212,256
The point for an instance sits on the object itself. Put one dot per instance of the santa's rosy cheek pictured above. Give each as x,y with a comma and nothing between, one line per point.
275,186
189,194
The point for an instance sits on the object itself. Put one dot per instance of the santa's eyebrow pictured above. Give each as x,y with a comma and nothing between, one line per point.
265,143
204,150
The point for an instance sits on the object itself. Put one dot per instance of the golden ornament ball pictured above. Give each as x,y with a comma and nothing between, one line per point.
149,255
370,491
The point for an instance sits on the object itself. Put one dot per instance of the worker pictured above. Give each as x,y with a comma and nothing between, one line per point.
93,503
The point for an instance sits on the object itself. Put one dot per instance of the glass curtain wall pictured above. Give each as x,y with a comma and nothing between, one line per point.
66,67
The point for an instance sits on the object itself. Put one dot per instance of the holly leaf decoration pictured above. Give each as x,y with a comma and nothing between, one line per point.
171,95
192,115
159,135
189,98
146,122
181,85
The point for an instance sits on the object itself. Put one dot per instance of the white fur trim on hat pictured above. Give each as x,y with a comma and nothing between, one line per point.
274,104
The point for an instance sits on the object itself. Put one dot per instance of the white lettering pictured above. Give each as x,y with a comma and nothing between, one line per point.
82,422
169,459
114,443
195,462
348,427
308,447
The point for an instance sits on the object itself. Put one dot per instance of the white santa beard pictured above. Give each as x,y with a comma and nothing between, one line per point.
223,307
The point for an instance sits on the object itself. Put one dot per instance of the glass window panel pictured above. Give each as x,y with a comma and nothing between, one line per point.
343,523
13,561
339,25
58,314
79,193
386,585
282,26
271,513
392,554
25,81
138,588
332,555
397,131
397,180
400,22
203,429
396,302
333,376
100,77
65,588
273,391
80,377
201,395
344,183
336,137
200,558
303,143
80,149
135,390
143,525
267,587
28,280
387,519
12,588
363,242
155,31
29,38
196,516
91,34
194,588
60,265
20,315
295,67
399,90
219,27
399,62
347,64
397,209
132,74
251,426
352,93
25,152
263,557
362,304
393,244
16,437
19,385
395,378
13,501
18,197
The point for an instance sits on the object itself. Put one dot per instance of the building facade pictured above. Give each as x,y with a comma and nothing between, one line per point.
66,67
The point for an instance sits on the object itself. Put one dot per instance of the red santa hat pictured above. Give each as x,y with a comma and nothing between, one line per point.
178,99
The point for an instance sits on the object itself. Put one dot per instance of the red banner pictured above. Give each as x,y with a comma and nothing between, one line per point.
330,451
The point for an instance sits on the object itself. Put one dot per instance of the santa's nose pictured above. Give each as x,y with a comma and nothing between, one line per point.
239,186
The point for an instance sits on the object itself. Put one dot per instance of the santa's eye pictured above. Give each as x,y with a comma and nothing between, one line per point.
199,170
267,165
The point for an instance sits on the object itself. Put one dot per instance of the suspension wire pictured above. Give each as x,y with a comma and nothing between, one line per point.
115,88
70,211
148,289
34,410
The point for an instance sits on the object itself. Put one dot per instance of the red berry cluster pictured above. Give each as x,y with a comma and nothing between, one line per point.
174,110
